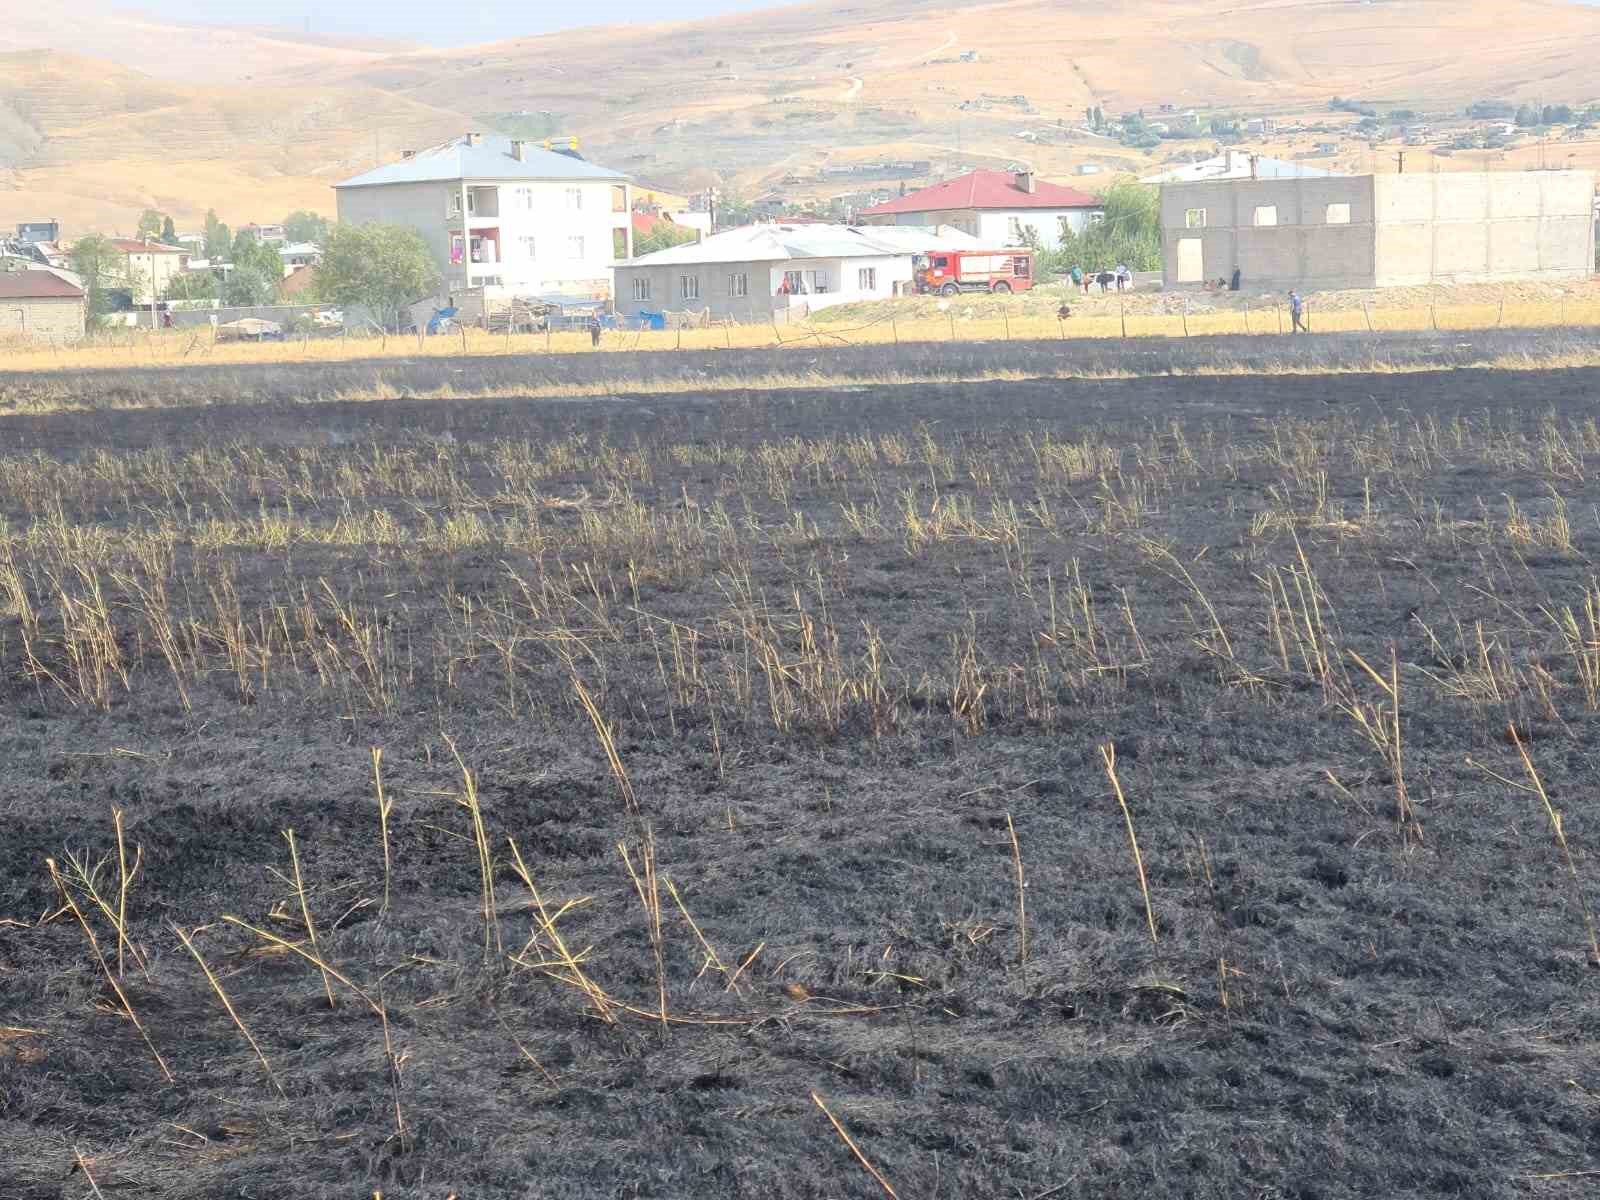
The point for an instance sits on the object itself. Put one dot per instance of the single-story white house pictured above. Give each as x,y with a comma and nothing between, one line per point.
999,208
772,272
1236,164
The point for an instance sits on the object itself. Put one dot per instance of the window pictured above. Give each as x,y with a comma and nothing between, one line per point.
1266,214
522,198
688,287
619,198
1021,266
526,243
1194,218
575,198
738,285
794,283
867,279
1014,229
1096,217
817,281
574,247
1338,214
641,288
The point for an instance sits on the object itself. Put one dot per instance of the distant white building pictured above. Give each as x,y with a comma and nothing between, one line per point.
504,215
1237,164
299,254
772,272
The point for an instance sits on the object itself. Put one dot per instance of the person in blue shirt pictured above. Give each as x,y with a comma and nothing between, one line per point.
1297,313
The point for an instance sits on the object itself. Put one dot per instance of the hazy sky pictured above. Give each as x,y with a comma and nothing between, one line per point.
441,23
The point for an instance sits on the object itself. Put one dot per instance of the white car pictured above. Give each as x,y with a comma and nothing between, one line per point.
328,318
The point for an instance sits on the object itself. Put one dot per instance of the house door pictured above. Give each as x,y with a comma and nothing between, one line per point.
1191,261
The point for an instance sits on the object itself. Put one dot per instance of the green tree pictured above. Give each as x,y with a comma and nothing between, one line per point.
102,268
218,240
249,286
150,224
382,268
169,232
1130,233
192,285
303,225
257,271
664,236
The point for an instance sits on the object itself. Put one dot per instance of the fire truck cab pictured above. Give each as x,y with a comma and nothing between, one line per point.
949,272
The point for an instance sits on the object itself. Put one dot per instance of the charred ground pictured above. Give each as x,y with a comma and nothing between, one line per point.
839,638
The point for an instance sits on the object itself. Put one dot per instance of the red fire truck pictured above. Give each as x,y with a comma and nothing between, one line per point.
951,271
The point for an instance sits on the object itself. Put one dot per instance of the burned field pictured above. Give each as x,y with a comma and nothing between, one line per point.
1054,788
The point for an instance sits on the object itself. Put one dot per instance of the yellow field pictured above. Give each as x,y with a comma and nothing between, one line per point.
177,348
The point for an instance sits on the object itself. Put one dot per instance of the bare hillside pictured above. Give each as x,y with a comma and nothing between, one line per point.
749,101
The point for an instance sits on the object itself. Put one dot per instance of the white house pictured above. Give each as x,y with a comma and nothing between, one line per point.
1236,164
299,254
504,215
999,208
774,272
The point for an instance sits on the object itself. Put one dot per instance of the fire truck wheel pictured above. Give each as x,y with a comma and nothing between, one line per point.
1002,287
950,289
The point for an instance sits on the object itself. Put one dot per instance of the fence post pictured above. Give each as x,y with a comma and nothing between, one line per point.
1122,310
1501,315
952,317
1367,313
1247,316
1433,316
1185,314
894,329
1006,317
547,333
680,335
463,330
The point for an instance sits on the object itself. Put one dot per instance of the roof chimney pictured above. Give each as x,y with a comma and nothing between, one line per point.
1025,182
519,150
474,139
405,154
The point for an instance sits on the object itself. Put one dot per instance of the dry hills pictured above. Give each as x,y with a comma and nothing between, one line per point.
249,121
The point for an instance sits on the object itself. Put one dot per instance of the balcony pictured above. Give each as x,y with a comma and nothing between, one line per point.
483,204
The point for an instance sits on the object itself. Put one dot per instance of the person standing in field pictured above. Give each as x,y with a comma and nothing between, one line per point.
1124,276
1077,276
594,331
1297,313
1233,284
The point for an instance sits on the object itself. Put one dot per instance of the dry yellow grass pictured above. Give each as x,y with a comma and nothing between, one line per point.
178,348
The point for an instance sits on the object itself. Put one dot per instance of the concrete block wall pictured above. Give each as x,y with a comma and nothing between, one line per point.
1470,227
58,320
1301,249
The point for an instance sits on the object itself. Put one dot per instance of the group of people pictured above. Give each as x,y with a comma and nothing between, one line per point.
1119,277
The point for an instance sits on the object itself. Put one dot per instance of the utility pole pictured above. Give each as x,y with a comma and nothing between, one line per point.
1400,162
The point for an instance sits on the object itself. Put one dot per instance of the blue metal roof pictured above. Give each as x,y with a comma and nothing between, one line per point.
490,159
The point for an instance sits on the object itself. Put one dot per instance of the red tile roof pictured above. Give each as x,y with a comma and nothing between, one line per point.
37,285
133,246
985,189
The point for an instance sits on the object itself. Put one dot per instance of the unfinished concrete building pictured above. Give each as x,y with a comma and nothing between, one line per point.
1366,231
